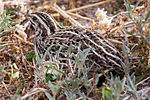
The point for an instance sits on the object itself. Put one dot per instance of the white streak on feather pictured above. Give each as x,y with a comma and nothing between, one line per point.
41,21
53,21
101,48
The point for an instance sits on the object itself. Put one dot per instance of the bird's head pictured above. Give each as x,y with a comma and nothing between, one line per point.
42,21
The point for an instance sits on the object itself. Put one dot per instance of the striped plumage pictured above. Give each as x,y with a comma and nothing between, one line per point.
48,33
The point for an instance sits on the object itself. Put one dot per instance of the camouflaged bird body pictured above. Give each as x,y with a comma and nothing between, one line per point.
101,52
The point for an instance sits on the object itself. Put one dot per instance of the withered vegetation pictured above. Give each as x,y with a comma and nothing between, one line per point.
24,75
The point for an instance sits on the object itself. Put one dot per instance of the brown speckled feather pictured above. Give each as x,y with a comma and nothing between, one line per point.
48,33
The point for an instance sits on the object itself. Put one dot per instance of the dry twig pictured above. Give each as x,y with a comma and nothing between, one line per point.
77,9
142,81
23,40
65,15
88,6
6,88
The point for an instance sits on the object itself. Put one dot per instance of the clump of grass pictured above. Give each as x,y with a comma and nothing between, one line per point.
5,24
5,21
67,85
126,88
138,20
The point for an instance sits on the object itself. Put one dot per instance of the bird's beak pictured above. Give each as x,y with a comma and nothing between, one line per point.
27,15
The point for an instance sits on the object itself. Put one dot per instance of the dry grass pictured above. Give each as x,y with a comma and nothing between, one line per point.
130,30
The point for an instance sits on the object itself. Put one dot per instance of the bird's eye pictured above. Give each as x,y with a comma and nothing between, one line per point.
34,18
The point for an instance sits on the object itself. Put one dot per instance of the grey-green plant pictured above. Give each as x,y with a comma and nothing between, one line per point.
138,20
5,23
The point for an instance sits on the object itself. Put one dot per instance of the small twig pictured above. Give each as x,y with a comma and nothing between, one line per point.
142,81
118,36
55,14
52,3
72,14
65,15
79,16
71,20
114,41
118,27
80,98
34,91
80,8
23,40
6,31
88,6
4,42
6,88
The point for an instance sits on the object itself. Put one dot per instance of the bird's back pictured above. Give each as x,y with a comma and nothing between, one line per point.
101,52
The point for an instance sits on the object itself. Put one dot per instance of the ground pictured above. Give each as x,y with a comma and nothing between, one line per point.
129,32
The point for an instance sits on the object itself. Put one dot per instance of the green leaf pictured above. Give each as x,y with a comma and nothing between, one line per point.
55,68
58,52
2,38
1,69
142,60
30,56
47,51
1,79
132,47
22,80
129,8
76,59
148,15
1,73
74,83
9,74
6,21
16,96
48,95
106,92
149,34
10,12
61,24
140,23
136,5
50,77
125,14
38,57
52,87
69,49
123,83
138,79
